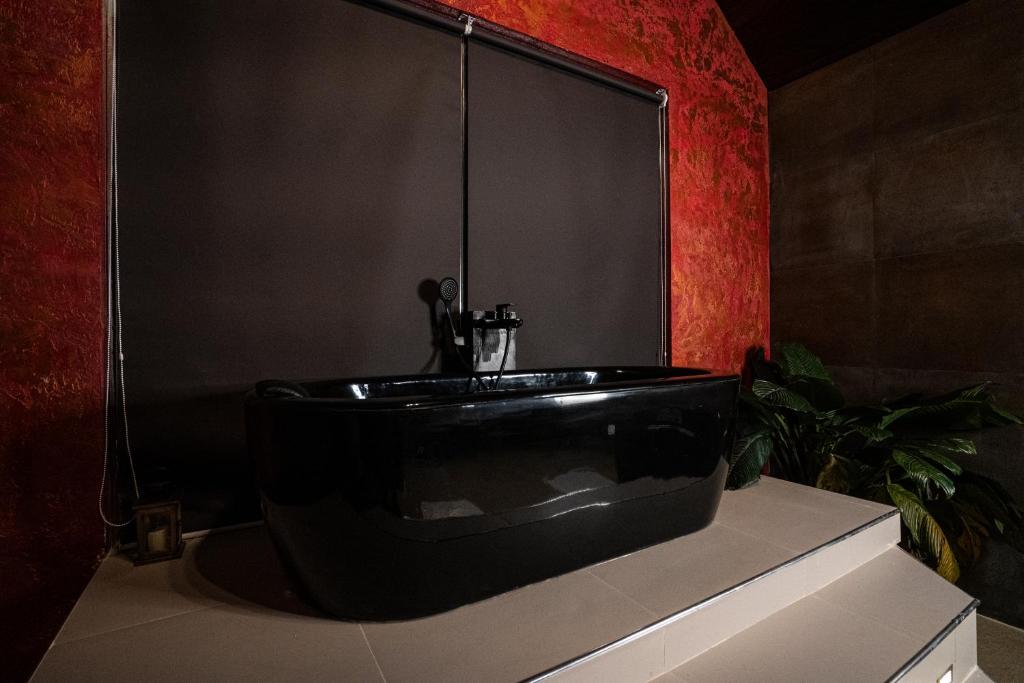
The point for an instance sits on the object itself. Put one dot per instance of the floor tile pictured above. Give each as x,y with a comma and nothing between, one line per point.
896,590
123,595
1000,650
217,644
208,573
978,676
765,513
509,637
834,561
734,612
810,641
811,496
677,574
937,662
670,677
635,662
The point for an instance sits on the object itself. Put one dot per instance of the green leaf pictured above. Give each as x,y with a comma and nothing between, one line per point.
997,416
925,531
781,396
895,415
923,472
970,408
796,361
937,457
977,392
749,456
872,434
955,445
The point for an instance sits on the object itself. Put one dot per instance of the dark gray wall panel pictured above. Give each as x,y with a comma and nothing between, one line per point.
290,173
564,211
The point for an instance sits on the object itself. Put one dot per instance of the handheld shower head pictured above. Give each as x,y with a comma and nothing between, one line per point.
448,289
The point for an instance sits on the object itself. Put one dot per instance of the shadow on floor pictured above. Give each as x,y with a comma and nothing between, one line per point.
244,565
1000,650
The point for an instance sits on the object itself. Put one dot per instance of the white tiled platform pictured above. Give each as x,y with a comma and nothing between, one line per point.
790,583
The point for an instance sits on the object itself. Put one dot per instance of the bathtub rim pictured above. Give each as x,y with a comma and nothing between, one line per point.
667,378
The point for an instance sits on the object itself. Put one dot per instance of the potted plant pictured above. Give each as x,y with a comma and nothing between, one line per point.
911,453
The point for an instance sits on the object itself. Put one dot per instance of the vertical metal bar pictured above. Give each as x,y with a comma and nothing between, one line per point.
464,86
666,232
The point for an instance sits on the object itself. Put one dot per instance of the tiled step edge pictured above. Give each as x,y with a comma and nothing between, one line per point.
681,636
955,645
978,676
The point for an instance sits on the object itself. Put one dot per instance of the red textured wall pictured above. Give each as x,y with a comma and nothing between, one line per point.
718,126
51,316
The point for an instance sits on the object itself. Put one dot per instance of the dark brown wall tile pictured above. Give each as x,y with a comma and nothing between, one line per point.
827,308
939,302
960,188
825,116
956,310
892,382
962,66
823,215
999,456
857,383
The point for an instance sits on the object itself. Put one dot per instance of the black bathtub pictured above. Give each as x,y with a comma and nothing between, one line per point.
397,497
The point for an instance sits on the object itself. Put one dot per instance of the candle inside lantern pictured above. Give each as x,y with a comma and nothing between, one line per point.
157,540
158,531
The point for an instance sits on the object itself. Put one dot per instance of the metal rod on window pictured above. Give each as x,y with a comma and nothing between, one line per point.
447,18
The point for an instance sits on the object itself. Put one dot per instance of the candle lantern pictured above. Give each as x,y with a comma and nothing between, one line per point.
159,531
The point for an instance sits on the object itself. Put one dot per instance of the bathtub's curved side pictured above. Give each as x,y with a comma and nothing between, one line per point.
401,512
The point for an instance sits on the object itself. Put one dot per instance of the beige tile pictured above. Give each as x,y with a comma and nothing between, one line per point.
966,643
763,511
978,676
836,561
674,676
209,572
810,641
217,644
635,662
509,637
1000,650
900,592
734,612
809,495
684,571
935,663
122,595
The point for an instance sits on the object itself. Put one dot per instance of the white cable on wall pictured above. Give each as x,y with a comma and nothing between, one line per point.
113,327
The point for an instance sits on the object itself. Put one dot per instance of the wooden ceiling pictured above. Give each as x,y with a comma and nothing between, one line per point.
787,39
